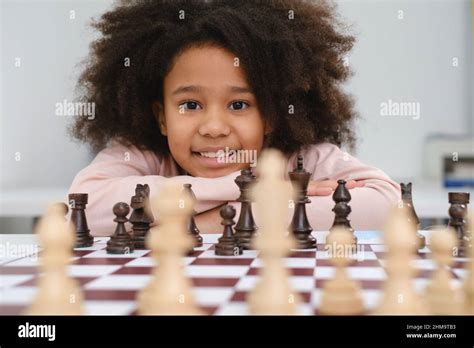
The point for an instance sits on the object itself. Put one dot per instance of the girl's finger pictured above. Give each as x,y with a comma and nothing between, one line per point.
320,191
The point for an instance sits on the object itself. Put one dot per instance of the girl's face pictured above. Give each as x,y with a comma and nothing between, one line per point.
208,108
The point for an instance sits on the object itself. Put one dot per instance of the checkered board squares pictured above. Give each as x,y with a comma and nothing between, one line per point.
111,283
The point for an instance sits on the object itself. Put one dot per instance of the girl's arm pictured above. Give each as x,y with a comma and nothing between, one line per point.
116,170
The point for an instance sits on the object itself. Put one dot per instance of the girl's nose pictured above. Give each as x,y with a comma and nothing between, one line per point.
214,124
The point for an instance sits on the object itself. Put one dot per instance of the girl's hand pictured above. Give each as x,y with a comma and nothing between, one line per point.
327,187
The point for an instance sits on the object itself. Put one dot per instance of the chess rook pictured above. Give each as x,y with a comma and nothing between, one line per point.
120,242
78,202
408,202
342,209
191,226
246,227
457,214
228,245
141,217
300,225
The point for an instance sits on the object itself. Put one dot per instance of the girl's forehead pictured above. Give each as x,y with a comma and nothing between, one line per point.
207,66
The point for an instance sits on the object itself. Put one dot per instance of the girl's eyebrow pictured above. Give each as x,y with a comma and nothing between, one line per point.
194,88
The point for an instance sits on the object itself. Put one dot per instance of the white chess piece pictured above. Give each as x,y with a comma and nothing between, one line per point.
57,294
341,295
272,294
398,294
442,296
169,291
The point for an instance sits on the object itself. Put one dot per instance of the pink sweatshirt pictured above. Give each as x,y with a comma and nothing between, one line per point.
116,170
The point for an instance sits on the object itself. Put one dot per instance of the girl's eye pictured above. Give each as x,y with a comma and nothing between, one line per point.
189,105
239,105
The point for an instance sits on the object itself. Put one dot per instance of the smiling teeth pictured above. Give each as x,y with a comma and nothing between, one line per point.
209,154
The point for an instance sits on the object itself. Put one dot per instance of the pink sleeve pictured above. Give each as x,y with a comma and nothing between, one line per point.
370,204
116,170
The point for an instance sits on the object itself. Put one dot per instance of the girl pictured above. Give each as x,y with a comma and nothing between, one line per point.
177,85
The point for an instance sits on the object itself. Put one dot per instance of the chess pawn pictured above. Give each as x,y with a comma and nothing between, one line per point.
300,225
192,227
141,217
228,245
342,209
341,295
246,227
443,298
399,296
57,294
169,291
273,294
78,202
120,242
408,202
457,213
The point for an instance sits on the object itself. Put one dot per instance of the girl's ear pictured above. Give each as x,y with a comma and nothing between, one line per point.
160,117
268,128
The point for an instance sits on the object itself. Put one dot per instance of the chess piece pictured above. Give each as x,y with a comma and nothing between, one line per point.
468,286
398,294
341,295
228,245
272,294
57,294
78,202
342,209
457,214
192,227
443,298
169,291
300,225
141,217
120,242
408,201
245,228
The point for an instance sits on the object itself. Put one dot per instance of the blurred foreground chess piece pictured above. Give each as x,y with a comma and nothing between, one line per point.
442,296
272,194
341,295
468,286
398,295
57,294
169,291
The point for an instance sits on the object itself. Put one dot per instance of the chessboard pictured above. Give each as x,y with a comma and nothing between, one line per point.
110,283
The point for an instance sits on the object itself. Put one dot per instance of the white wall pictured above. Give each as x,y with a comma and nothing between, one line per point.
402,60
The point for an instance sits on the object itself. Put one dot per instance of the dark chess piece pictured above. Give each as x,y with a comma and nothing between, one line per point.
228,245
78,202
191,226
342,209
408,202
246,227
300,225
457,214
141,217
120,242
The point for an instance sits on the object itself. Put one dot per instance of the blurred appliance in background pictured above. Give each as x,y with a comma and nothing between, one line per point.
449,159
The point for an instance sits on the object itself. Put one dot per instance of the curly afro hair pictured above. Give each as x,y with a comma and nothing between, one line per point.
292,52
